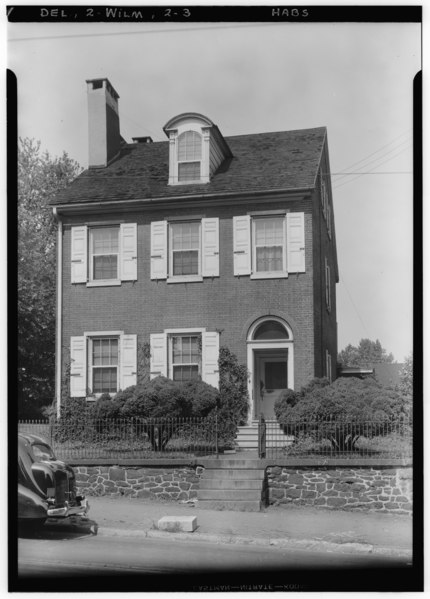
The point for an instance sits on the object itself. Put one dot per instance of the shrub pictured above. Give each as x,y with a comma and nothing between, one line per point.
160,398
233,388
203,397
338,412
106,408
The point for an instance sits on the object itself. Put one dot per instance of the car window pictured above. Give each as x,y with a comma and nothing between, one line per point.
42,452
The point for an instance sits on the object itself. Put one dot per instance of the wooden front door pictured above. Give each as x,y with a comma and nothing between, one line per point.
271,379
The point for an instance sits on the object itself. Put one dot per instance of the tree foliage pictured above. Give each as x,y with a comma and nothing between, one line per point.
343,411
365,354
40,177
406,385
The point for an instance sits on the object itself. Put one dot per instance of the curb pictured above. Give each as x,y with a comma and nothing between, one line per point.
304,544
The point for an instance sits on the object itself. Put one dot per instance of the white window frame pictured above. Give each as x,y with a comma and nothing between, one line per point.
171,278
82,263
90,365
171,365
114,280
268,274
173,154
193,161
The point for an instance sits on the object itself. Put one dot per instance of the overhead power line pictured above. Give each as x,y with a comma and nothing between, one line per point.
145,32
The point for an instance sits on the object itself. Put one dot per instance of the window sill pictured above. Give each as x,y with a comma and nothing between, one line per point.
184,279
269,275
104,283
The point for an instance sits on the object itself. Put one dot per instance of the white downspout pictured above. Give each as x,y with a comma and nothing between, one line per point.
58,343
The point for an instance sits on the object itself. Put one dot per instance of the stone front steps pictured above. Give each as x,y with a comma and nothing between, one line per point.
232,484
247,436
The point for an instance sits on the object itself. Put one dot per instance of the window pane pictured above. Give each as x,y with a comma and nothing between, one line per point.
185,263
105,240
105,352
271,330
189,146
189,171
269,231
185,373
275,374
185,236
105,267
104,380
186,349
269,259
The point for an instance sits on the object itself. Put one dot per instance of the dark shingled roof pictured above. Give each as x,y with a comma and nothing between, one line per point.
264,161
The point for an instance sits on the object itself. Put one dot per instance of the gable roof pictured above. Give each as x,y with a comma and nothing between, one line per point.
286,160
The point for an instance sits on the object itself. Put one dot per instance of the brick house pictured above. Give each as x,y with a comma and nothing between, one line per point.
195,242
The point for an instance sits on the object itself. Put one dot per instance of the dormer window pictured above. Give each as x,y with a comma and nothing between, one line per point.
196,149
189,156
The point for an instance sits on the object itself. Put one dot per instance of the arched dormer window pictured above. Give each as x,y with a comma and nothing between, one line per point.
189,156
196,149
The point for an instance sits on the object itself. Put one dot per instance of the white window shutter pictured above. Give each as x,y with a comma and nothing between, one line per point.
296,241
210,354
210,247
158,363
128,356
78,366
242,245
79,252
128,249
159,249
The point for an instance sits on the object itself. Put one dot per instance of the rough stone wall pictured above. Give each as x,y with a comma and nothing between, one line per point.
376,489
160,483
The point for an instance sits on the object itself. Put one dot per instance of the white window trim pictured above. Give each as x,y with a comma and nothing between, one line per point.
173,155
89,335
180,332
195,278
278,274
86,261
91,255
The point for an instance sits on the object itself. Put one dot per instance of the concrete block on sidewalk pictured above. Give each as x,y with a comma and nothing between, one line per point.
178,523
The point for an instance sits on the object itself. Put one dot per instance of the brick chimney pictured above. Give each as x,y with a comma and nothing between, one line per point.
103,122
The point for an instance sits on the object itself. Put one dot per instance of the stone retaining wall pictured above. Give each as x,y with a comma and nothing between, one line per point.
180,483
376,489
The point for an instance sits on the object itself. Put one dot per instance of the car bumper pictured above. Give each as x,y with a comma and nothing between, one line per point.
69,510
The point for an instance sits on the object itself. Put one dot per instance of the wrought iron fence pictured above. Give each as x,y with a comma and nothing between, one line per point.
193,437
334,436
128,438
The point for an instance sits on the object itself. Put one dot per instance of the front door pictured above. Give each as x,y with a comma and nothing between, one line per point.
271,379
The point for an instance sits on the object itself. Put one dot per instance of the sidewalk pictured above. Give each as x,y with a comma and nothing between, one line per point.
289,526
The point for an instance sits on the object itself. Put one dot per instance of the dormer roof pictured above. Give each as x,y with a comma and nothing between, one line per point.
260,162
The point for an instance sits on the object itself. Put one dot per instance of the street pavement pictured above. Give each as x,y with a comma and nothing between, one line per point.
290,526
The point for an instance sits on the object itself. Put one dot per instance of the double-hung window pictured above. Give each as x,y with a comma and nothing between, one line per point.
104,253
185,354
269,245
189,156
186,357
103,364
185,248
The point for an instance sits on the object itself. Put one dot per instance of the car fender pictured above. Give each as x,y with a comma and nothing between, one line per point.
30,505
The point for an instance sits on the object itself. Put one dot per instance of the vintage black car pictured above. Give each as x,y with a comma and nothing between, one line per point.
46,486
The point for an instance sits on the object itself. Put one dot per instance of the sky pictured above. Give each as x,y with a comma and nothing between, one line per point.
353,78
